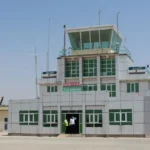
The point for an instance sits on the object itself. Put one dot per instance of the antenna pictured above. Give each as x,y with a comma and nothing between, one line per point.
48,46
99,14
117,44
118,21
64,48
36,88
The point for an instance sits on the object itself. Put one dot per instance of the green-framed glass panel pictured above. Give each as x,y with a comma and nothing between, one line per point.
90,67
108,66
72,68
120,117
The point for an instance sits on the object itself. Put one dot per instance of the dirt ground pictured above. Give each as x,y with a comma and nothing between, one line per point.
72,143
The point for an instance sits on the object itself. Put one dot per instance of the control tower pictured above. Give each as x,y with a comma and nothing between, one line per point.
95,40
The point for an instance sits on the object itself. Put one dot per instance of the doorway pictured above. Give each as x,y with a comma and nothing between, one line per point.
73,129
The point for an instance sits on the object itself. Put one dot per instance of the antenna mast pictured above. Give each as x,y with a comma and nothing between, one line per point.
48,46
117,44
99,14
64,48
36,88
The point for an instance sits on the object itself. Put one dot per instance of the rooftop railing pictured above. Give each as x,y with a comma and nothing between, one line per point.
124,50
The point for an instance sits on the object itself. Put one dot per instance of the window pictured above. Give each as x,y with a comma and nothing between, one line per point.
89,87
28,117
111,87
94,118
85,40
50,118
132,87
108,66
75,40
51,88
72,69
90,67
5,119
120,117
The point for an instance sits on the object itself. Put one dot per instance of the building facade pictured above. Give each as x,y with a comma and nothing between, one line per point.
96,82
3,117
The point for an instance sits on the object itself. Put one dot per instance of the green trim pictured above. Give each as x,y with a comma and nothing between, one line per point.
23,123
33,111
22,111
122,123
33,123
97,111
114,110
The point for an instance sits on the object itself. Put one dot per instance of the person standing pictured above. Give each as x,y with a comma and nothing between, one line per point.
66,126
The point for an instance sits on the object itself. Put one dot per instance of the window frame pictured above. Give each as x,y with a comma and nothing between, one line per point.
26,115
120,121
132,87
109,65
89,67
104,87
71,68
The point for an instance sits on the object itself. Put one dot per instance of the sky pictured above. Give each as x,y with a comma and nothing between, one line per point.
24,26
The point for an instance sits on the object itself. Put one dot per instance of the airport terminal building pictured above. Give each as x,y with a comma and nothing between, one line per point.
97,82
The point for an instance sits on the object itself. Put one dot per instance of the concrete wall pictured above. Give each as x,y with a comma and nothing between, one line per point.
3,114
82,101
147,114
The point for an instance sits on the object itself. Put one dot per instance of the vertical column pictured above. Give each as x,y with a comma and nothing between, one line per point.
80,69
98,73
117,77
62,69
83,115
59,118
40,108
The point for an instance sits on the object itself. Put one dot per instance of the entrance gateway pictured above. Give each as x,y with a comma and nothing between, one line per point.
67,114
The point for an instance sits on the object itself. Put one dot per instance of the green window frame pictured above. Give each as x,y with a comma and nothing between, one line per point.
108,66
90,67
133,87
52,89
89,87
50,118
94,118
120,117
111,87
72,68
28,117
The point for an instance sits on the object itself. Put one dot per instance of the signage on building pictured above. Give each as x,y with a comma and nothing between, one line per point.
72,84
72,89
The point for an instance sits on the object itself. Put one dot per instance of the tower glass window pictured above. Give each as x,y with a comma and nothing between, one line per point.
90,67
95,44
86,40
75,40
72,69
105,37
108,67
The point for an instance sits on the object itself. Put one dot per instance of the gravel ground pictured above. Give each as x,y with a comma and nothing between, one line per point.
72,143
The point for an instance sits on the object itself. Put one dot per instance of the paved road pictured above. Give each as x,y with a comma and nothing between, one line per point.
72,143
